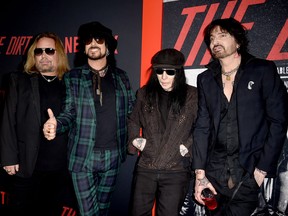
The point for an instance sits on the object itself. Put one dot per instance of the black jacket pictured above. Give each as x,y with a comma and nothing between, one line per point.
22,126
262,108
162,151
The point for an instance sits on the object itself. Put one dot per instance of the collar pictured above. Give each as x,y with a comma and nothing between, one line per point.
216,67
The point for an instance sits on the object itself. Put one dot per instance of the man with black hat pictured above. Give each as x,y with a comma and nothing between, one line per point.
165,110
98,100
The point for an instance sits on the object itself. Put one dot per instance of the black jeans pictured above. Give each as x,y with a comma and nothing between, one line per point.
244,202
43,194
167,188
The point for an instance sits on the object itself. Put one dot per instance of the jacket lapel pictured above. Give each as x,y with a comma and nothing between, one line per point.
87,91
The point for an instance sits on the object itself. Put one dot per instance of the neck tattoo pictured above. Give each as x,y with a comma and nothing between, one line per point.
47,79
229,73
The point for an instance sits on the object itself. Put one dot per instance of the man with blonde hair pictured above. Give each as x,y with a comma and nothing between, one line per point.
38,167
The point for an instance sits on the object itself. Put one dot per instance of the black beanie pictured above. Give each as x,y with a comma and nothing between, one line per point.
168,58
96,29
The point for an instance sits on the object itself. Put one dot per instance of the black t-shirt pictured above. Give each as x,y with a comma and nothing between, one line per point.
52,154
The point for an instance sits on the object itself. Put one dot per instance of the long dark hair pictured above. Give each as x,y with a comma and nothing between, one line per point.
177,96
233,27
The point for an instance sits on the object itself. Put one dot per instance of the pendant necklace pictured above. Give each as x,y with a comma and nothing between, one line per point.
47,79
229,73
97,80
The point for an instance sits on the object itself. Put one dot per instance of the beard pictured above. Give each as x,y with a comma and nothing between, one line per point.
220,52
95,54
96,57
45,68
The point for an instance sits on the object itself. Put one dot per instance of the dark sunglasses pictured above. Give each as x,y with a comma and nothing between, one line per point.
97,39
169,71
48,51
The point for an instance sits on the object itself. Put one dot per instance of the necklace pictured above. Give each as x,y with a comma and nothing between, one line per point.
229,73
102,72
97,80
48,80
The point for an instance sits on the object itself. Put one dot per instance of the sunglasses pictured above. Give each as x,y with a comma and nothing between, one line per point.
169,71
97,39
48,51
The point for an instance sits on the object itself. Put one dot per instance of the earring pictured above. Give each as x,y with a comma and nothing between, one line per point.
238,49
107,53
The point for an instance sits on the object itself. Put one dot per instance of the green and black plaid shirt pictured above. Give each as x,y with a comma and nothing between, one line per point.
79,114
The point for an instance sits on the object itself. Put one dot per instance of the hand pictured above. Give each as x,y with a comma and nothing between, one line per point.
139,143
259,176
183,150
201,182
49,128
11,169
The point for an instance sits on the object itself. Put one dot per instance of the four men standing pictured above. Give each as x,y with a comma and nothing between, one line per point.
238,136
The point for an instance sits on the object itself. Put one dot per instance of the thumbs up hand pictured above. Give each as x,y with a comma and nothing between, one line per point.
49,128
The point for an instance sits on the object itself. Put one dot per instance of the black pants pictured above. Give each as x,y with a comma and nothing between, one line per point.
168,189
244,202
43,194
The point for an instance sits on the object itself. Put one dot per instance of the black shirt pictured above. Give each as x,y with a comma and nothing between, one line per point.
106,128
224,162
52,154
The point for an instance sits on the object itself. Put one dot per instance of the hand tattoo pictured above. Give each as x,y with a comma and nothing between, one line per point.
203,182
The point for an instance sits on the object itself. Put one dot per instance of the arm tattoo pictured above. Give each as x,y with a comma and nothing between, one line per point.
203,182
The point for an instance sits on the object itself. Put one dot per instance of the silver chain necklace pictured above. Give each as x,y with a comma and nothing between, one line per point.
48,80
229,73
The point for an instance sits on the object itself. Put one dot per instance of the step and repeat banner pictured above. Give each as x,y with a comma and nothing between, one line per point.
142,27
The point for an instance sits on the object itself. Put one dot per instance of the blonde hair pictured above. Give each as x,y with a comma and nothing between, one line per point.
63,64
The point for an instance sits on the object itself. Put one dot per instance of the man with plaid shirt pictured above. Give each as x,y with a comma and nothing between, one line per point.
98,100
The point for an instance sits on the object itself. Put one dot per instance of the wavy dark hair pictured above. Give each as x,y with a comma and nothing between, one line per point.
234,28
177,96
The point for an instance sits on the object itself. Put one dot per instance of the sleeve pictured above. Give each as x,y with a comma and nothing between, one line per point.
201,132
8,145
68,114
134,123
131,94
276,106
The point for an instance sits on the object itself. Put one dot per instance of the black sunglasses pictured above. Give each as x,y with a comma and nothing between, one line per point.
48,51
169,71
97,39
